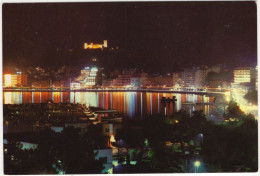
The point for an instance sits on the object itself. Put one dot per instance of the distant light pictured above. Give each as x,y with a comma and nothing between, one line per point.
61,173
176,121
110,171
196,163
146,142
115,163
133,162
94,69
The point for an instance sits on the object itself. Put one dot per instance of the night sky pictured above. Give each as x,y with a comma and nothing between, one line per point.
149,34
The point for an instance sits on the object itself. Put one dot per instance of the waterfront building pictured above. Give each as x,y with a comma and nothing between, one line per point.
244,79
89,76
188,77
124,79
244,75
177,79
75,86
135,81
22,79
107,82
18,79
200,77
195,77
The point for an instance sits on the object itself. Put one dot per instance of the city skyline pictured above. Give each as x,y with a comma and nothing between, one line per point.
130,87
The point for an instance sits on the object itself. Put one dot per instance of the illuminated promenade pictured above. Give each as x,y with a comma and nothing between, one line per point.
164,90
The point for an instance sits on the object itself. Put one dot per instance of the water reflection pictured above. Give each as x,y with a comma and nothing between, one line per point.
132,104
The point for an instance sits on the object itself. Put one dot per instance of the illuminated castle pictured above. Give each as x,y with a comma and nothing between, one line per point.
95,46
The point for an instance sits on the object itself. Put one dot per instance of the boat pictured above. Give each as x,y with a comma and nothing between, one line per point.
88,113
106,111
91,118
112,119
101,110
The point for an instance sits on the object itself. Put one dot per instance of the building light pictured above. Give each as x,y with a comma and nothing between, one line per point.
8,80
112,138
133,162
95,45
94,69
75,86
115,163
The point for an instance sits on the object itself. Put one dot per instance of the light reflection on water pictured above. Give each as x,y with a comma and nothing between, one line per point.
131,104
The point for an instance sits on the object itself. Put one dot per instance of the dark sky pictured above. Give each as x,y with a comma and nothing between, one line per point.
173,33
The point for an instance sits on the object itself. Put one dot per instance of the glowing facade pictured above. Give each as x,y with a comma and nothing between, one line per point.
12,80
7,80
95,46
88,76
74,86
243,75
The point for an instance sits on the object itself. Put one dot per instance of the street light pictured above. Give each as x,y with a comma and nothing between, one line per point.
196,164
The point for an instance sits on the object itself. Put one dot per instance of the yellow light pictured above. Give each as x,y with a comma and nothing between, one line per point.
197,163
8,80
110,171
176,121
112,138
7,97
115,163
227,93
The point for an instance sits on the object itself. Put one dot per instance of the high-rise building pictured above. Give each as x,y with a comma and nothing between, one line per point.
244,75
188,77
177,79
200,77
89,76
195,77
22,79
